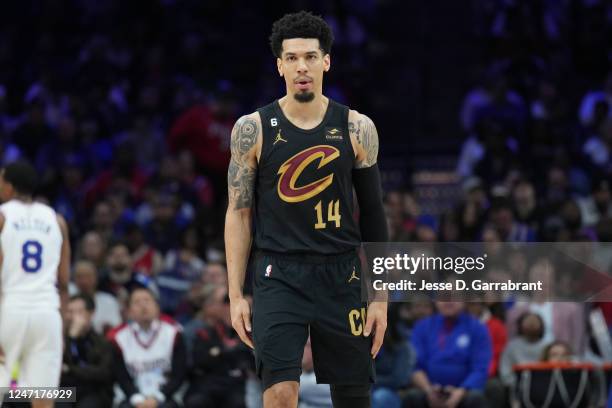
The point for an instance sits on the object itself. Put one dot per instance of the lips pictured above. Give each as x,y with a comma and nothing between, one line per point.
303,84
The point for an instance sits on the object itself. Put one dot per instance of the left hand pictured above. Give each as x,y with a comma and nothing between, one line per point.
148,403
376,320
455,397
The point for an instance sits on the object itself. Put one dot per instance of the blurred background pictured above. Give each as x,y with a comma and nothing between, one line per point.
494,116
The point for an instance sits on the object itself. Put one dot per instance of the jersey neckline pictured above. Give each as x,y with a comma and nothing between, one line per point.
280,112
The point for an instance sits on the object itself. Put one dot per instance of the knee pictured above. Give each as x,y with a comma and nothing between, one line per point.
168,404
474,399
414,398
385,398
283,391
195,400
359,390
350,396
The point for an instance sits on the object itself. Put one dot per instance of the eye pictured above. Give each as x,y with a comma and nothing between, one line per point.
312,57
291,58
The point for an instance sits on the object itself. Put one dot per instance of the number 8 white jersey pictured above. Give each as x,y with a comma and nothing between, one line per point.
31,241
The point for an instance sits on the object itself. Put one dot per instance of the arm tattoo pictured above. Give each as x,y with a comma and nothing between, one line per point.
240,175
367,136
244,136
355,129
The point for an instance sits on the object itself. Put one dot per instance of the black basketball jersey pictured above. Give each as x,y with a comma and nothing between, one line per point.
304,189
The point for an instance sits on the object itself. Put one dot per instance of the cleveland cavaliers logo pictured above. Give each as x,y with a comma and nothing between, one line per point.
291,170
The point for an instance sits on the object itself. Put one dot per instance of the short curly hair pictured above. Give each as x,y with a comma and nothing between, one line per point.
300,25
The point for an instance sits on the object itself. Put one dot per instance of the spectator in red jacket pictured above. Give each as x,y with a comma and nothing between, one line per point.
497,330
205,131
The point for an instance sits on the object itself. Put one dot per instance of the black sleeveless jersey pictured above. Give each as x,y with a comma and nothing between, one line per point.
304,188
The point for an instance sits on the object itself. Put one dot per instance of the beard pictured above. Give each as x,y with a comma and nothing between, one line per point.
304,97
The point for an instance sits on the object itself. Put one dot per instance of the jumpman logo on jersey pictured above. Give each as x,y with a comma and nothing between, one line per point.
279,138
353,276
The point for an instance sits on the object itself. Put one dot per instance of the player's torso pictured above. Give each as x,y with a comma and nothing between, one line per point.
304,191
31,242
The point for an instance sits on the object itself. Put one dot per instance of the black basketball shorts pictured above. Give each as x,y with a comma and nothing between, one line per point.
299,295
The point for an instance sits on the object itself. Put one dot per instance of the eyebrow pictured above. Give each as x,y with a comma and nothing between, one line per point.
289,54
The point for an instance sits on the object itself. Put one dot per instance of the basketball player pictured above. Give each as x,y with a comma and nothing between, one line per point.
35,261
293,168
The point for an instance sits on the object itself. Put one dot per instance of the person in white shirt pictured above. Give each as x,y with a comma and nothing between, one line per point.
34,277
150,358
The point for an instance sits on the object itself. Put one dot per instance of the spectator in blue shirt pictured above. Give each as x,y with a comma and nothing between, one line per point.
453,356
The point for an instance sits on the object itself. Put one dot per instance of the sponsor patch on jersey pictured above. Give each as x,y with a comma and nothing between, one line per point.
333,133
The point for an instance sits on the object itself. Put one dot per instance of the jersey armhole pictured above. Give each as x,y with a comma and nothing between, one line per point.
347,142
4,223
264,127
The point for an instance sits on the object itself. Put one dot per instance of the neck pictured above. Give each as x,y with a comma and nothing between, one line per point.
23,198
88,292
145,325
304,110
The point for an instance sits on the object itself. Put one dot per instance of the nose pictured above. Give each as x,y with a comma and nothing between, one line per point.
301,66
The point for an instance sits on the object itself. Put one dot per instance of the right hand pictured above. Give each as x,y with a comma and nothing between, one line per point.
434,397
241,319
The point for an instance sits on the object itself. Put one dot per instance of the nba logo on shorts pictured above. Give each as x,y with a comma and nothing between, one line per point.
268,271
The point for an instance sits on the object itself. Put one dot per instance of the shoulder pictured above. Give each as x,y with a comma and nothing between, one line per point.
495,324
358,122
424,325
355,115
169,323
478,328
105,300
248,124
515,343
116,332
364,138
245,134
62,223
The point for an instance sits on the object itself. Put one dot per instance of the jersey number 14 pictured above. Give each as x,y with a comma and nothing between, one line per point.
333,214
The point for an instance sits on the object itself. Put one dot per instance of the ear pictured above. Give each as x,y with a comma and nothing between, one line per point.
326,62
279,66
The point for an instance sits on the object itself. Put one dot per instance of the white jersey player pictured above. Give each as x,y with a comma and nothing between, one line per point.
34,274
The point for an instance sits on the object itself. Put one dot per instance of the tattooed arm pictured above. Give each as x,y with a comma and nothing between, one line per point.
372,219
364,139
245,142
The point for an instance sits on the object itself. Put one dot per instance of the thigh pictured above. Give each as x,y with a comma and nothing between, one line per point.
473,399
415,398
13,327
385,398
235,398
341,352
168,404
125,404
281,312
93,401
42,357
198,396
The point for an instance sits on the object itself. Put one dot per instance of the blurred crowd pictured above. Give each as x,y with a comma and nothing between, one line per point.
126,109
